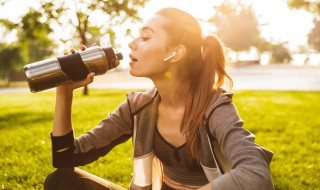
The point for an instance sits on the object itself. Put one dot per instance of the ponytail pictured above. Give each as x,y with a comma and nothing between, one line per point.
214,60
208,80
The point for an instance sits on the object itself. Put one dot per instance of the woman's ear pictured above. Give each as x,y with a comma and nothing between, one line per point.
180,52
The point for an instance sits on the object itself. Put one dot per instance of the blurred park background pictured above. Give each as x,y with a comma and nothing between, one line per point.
273,56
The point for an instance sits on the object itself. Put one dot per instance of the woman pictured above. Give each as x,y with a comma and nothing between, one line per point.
186,131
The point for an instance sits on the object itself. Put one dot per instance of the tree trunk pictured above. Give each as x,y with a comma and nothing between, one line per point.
85,90
82,29
84,42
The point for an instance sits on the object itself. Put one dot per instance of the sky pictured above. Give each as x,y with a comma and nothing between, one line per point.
280,24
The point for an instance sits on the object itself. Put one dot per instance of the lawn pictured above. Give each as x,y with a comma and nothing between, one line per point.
285,122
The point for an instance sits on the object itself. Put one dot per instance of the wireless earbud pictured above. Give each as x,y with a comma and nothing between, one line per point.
170,57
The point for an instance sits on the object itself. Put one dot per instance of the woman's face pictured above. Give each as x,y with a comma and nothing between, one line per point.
149,49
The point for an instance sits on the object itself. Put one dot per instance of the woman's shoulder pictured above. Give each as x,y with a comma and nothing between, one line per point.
220,97
140,99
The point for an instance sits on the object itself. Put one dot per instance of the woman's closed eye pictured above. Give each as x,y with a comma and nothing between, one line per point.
144,36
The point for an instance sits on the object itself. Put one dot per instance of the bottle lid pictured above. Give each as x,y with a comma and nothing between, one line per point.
119,56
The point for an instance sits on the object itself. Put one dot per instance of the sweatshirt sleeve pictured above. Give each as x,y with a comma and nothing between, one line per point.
68,151
249,162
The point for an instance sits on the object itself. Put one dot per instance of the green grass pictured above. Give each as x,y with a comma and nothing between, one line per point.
285,122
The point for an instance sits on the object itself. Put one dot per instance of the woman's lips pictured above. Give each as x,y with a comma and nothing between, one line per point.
133,59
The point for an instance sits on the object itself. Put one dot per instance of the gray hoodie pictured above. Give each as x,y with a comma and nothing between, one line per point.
228,154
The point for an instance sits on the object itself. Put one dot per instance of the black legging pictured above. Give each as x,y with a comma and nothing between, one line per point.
77,179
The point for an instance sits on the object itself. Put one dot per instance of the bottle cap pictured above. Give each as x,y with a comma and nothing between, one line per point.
119,56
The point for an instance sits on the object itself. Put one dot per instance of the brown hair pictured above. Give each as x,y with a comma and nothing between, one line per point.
205,64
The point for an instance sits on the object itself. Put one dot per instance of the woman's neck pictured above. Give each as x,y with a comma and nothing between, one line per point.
173,92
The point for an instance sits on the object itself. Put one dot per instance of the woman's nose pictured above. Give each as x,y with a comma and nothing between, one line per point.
131,44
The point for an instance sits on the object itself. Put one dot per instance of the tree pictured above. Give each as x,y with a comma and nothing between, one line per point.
264,45
9,57
117,11
313,7
3,2
32,44
280,54
309,5
237,26
33,37
314,36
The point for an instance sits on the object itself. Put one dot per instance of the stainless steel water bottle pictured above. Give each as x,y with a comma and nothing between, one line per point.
52,72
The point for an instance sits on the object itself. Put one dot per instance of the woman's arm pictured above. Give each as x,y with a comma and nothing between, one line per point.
62,115
62,118
68,151
62,124
249,162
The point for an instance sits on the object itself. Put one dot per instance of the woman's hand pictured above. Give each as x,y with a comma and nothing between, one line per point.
69,87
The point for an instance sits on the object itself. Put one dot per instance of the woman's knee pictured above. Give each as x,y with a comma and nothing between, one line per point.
55,179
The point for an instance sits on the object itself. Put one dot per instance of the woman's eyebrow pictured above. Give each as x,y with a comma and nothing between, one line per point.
146,28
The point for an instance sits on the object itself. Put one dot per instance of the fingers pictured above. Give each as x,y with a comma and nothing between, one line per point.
83,47
90,77
71,51
88,80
